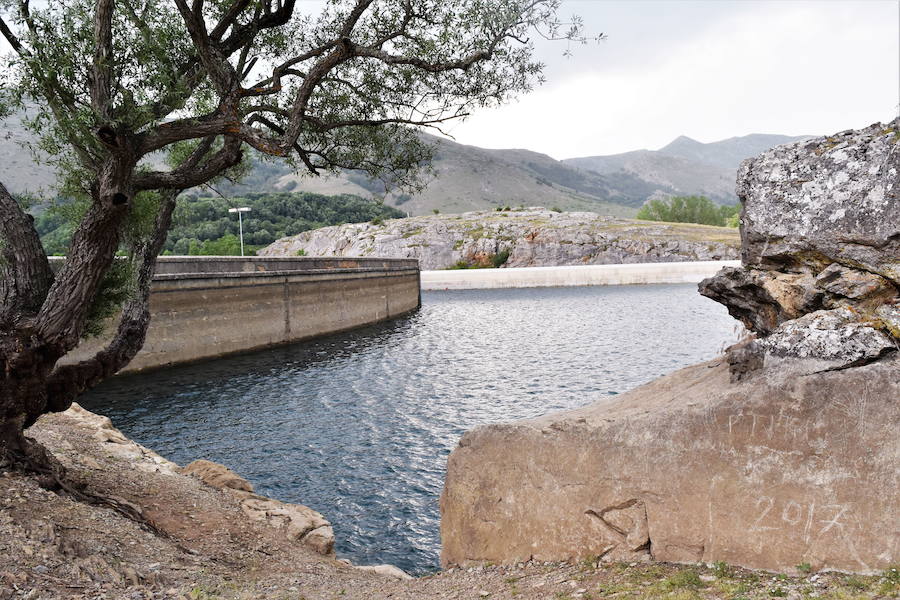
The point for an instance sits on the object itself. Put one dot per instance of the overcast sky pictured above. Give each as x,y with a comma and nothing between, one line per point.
709,70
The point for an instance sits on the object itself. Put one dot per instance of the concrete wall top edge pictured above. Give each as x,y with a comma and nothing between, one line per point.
199,265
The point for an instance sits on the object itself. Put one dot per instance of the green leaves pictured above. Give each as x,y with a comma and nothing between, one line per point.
689,209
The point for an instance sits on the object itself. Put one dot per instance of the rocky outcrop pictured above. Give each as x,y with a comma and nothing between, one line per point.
300,523
782,452
533,237
820,279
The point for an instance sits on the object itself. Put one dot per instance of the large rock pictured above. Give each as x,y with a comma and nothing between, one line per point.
533,237
824,200
777,470
820,231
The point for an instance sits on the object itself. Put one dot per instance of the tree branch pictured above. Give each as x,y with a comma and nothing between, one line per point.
191,174
101,80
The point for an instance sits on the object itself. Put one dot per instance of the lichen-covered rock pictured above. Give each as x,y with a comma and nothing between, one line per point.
824,200
827,339
533,237
820,231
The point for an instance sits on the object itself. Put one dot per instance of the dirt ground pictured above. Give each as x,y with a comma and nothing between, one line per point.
205,548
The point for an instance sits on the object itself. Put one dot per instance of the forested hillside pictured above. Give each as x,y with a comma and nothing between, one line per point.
203,225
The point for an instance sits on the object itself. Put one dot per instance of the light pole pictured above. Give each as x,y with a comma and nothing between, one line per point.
240,212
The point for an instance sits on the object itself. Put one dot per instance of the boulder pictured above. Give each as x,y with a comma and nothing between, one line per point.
824,200
216,475
386,571
820,230
769,472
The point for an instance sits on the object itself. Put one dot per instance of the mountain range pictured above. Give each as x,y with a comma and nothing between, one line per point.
471,178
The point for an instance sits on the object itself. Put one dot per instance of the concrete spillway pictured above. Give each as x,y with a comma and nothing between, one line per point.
627,274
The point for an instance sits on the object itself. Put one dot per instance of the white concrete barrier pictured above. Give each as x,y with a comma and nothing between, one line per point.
626,274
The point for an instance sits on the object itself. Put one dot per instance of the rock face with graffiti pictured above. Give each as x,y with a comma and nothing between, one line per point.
784,451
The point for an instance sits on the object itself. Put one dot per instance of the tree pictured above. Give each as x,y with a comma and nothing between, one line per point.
689,209
109,84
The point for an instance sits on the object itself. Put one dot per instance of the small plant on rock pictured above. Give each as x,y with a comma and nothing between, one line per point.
499,259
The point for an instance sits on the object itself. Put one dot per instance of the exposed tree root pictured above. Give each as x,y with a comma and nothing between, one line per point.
31,458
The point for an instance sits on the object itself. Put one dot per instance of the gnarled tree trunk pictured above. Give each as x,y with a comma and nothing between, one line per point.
42,317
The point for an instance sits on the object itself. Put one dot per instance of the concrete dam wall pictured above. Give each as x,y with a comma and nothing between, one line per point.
209,306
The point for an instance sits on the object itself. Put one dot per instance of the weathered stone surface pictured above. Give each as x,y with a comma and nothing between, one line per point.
534,237
820,230
852,284
216,475
824,200
827,339
386,571
776,470
118,445
300,523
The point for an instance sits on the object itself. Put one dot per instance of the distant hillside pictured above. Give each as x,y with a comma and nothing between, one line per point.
529,237
472,178
685,166
729,153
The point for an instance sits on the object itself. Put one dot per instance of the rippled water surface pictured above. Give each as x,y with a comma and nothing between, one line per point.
359,425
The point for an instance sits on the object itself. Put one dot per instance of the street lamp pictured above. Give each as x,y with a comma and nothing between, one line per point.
239,211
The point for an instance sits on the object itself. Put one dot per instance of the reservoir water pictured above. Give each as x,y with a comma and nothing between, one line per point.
359,425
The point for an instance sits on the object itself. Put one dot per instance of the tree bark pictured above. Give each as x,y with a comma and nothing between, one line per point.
25,274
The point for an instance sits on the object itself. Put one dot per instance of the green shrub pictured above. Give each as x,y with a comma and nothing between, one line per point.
688,209
301,252
721,569
460,264
499,259
377,221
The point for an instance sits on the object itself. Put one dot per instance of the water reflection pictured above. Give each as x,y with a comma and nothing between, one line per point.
358,425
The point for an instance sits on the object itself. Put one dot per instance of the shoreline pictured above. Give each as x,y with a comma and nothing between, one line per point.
573,275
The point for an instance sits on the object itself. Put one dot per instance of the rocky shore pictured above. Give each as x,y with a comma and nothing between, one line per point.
528,237
207,545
